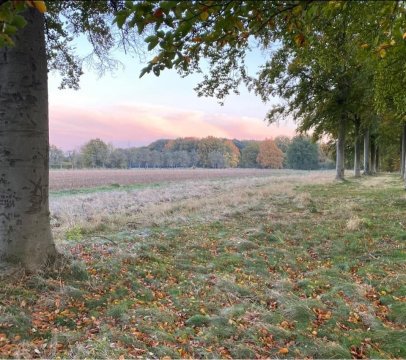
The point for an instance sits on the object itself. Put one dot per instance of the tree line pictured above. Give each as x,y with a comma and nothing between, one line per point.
299,152
336,67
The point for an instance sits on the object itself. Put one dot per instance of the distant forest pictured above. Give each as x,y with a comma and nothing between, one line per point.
299,152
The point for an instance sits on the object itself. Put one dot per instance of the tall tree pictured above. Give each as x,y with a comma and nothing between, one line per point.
303,154
209,145
95,153
270,156
25,58
25,234
367,158
249,155
232,153
56,157
357,146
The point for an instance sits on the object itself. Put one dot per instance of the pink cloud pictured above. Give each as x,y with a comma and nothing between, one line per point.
140,124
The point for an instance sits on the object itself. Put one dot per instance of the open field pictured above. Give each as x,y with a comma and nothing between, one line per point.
117,207
75,179
239,267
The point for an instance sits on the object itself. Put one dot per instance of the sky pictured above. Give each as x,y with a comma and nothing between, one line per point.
126,111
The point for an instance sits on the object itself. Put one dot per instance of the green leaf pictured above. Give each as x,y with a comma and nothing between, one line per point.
156,71
10,29
120,19
19,21
6,40
144,71
150,38
153,43
167,5
140,26
168,63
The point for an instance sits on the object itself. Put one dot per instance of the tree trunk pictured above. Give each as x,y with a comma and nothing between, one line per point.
366,152
373,155
357,149
403,152
340,145
377,158
25,233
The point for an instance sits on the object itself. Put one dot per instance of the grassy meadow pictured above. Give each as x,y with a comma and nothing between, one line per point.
236,267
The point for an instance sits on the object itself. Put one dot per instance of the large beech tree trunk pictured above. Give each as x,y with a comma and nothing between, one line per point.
367,168
357,148
340,146
25,234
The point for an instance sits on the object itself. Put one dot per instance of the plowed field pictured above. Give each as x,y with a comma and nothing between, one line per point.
75,179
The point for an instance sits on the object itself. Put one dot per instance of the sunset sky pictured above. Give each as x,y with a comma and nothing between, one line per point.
127,111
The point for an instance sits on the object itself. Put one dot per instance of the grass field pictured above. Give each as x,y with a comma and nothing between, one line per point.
238,267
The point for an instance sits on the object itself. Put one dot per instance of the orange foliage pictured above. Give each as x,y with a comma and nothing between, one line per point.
270,156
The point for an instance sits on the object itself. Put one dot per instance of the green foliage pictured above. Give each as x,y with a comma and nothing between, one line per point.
328,55
283,142
198,320
249,155
95,153
65,22
217,153
11,21
302,154
74,234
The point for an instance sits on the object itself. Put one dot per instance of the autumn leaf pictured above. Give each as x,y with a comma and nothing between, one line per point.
158,13
283,350
39,5
322,314
299,39
297,10
354,318
204,15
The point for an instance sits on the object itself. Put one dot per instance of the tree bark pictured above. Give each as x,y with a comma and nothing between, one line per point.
340,146
377,158
367,168
25,233
357,148
373,155
403,152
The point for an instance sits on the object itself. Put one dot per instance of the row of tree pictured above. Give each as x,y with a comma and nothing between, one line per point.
210,152
338,67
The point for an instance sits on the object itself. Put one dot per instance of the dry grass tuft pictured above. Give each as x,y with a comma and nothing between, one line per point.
355,223
303,200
